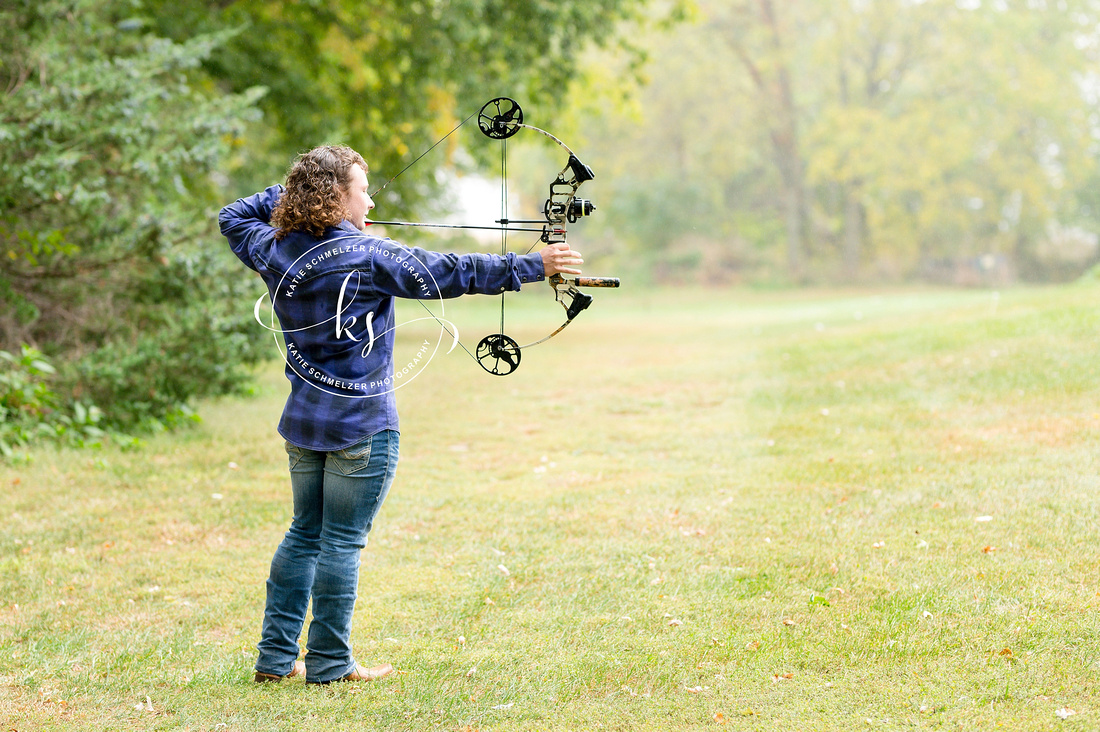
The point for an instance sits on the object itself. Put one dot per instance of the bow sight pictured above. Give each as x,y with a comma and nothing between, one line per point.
566,185
579,207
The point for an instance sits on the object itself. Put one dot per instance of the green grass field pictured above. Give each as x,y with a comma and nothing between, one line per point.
691,510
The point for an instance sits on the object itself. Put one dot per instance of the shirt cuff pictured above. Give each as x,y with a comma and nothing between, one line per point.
529,268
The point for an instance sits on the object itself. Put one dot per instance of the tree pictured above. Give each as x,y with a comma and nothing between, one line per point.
389,77
109,255
764,42
956,129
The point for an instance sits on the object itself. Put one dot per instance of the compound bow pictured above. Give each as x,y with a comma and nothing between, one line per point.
500,119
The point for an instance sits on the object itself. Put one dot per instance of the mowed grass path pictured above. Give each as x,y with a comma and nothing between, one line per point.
691,510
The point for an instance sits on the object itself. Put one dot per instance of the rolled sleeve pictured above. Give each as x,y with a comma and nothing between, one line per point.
247,221
529,268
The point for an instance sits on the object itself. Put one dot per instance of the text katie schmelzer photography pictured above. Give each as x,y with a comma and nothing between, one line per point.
335,257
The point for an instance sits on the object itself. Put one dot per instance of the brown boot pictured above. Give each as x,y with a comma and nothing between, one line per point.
369,674
298,670
364,674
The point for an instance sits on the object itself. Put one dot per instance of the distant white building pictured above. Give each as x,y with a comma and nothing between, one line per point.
476,200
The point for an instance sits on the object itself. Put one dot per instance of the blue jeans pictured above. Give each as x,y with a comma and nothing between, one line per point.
336,497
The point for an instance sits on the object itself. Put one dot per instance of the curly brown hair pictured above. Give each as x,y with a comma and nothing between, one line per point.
315,188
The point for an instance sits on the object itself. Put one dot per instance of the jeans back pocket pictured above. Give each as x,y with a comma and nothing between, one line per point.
352,459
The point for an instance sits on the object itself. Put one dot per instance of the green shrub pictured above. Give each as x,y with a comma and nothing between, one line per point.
31,410
111,147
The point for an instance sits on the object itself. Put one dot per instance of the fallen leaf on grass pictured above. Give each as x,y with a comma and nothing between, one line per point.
503,570
1064,713
789,622
693,689
983,519
471,672
719,718
988,549
752,645
509,705
675,622
748,712
147,706
878,544
776,678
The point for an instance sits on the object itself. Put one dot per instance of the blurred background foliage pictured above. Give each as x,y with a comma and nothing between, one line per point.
734,142
861,141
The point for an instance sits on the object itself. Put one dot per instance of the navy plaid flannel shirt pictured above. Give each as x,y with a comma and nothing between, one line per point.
333,295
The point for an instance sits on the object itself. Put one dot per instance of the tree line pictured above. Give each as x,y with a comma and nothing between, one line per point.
869,140
734,140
